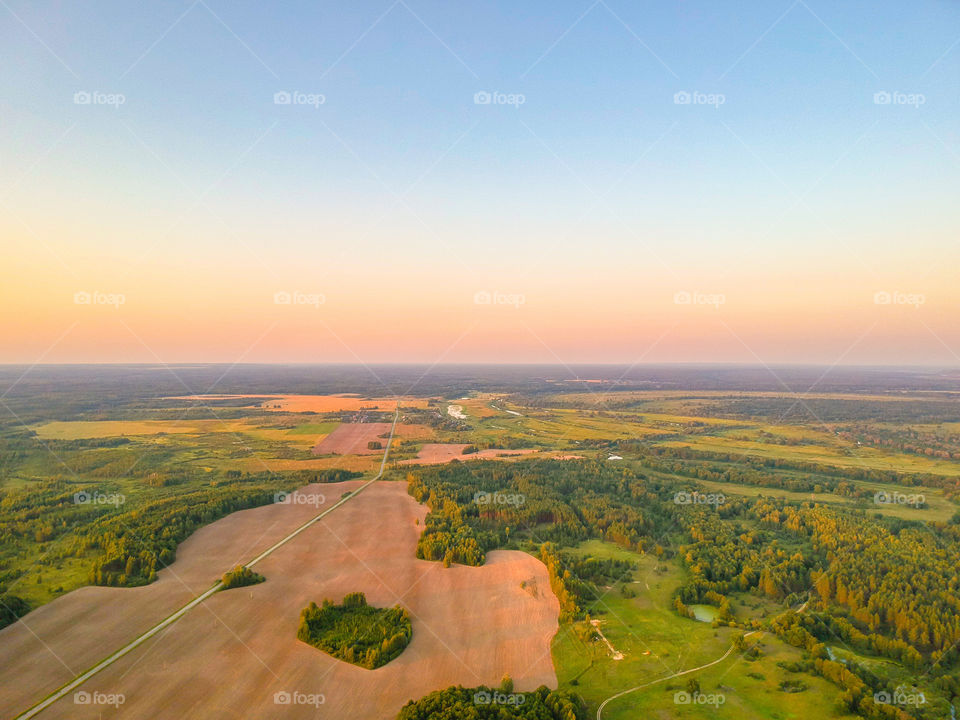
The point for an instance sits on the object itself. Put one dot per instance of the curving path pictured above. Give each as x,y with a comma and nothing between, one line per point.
668,677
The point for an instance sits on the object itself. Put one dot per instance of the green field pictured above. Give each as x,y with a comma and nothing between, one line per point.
657,643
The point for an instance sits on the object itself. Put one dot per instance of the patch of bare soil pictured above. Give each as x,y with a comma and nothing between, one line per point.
352,439
237,655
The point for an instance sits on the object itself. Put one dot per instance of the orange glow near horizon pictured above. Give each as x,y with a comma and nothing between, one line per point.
202,314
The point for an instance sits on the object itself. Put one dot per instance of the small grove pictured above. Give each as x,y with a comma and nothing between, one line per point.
356,632
240,576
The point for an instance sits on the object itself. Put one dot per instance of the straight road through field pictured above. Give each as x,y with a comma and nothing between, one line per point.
169,620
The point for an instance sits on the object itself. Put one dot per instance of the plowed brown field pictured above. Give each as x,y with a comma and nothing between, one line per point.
229,657
315,403
352,439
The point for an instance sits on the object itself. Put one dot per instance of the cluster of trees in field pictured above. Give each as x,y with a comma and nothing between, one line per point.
485,703
240,576
355,631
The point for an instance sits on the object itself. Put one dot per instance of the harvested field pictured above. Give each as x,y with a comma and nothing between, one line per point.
410,431
231,657
112,428
352,439
315,403
439,453
436,453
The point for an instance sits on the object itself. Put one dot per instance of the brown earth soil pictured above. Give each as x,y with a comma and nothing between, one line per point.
352,439
316,403
229,657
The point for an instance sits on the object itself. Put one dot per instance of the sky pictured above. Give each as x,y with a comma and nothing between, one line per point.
412,181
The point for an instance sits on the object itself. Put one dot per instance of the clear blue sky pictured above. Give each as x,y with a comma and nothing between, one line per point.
798,153
799,98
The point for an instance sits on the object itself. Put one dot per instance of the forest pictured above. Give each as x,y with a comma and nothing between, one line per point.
885,586
484,703
124,543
